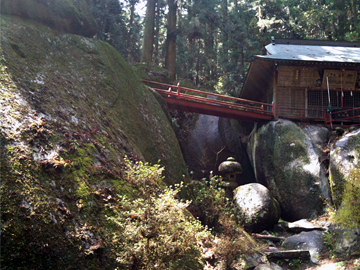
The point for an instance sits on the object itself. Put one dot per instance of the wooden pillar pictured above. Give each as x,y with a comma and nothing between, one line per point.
275,93
306,103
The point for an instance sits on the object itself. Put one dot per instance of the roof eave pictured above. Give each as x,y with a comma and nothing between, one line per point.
299,61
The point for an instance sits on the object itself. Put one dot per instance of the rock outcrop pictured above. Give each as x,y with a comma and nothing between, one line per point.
286,158
71,109
344,164
345,242
65,16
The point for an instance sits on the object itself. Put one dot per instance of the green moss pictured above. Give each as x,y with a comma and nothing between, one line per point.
337,182
348,214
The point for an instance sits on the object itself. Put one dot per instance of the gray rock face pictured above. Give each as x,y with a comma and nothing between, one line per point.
258,208
344,161
311,241
210,141
346,241
286,160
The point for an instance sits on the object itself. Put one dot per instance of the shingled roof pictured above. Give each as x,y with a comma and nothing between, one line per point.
313,50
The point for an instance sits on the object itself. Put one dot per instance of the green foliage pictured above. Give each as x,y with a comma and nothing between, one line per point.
317,19
118,27
154,230
214,210
208,201
330,241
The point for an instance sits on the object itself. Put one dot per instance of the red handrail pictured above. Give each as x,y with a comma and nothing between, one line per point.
301,113
347,118
213,101
206,93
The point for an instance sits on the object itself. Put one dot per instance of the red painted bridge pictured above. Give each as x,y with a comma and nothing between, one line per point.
192,100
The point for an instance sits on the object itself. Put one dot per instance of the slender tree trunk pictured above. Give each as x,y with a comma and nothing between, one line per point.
148,43
225,35
130,32
170,58
210,55
354,12
157,33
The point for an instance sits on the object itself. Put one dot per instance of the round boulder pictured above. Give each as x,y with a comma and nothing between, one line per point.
259,210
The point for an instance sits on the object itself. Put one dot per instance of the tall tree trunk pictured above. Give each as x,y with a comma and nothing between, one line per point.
157,33
130,32
354,11
170,58
148,43
225,35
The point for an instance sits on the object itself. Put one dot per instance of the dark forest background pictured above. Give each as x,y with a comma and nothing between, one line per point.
211,42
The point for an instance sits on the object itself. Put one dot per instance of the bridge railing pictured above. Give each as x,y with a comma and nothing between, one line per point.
176,91
345,117
338,117
301,114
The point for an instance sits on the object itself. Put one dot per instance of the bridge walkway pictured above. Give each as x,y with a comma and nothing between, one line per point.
192,100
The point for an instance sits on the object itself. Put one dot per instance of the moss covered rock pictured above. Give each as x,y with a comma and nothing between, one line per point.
287,162
345,178
71,110
63,15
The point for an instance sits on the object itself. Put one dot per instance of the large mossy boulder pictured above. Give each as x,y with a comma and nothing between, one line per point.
71,110
345,178
285,158
64,15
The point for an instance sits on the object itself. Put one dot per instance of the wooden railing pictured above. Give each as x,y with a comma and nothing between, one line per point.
344,117
203,97
339,117
301,114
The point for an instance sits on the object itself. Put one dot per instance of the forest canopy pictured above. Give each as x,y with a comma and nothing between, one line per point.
211,42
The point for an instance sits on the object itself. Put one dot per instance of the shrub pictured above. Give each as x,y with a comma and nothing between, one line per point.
154,230
210,205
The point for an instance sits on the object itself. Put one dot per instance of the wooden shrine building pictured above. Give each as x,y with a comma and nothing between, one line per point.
304,79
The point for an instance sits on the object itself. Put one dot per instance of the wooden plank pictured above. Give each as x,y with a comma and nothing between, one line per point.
288,254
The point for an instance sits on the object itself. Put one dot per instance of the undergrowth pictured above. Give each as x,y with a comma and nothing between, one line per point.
215,210
154,230
157,230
